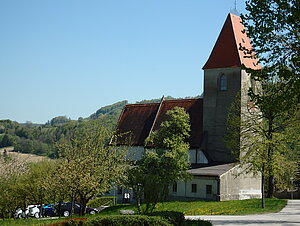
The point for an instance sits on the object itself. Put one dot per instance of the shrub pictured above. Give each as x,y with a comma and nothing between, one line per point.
100,201
74,223
71,222
132,220
197,223
175,218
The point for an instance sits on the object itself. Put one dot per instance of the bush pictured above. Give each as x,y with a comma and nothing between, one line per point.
197,223
71,222
100,201
175,218
132,220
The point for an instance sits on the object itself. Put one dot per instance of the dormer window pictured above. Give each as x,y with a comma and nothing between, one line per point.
223,82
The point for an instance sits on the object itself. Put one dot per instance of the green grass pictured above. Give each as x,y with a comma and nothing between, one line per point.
234,207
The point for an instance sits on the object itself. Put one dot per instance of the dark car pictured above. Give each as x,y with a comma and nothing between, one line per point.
65,209
49,210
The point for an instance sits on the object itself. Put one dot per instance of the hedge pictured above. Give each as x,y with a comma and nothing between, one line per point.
175,218
132,220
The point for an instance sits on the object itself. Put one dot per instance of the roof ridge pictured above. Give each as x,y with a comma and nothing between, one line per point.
142,104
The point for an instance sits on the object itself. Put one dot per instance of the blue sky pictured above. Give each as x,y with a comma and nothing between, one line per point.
70,57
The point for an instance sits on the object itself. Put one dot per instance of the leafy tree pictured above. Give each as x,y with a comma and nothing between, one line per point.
7,140
263,143
273,26
89,166
113,109
11,168
166,163
59,120
35,183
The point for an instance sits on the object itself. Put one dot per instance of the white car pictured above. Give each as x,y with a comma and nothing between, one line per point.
31,211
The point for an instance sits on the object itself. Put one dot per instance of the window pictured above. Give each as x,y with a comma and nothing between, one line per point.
194,188
208,189
223,82
174,188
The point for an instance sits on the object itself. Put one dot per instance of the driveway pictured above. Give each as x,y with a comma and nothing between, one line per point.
289,215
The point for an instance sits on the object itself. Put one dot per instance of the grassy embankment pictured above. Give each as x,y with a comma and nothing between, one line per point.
235,207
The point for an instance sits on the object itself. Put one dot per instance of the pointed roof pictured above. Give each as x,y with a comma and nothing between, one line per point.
226,52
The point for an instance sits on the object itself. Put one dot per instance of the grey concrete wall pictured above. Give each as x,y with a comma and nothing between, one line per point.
237,184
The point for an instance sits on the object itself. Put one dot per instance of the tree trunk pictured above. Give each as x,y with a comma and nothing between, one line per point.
59,208
263,188
82,207
72,207
270,177
138,195
270,193
2,214
41,205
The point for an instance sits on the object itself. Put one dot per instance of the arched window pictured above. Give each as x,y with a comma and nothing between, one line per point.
223,82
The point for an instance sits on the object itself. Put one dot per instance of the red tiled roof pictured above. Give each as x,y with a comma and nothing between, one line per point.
138,119
226,52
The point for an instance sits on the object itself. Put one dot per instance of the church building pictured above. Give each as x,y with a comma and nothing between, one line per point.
216,174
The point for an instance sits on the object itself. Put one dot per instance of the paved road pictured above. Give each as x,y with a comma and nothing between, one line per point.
288,216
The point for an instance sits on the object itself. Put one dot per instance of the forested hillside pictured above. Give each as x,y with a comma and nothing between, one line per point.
40,139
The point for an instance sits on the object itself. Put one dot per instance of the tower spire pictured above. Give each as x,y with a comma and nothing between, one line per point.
234,10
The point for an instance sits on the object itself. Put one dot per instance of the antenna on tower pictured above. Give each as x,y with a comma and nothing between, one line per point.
234,10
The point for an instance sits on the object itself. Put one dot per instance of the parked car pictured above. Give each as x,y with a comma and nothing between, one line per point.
49,210
66,208
30,211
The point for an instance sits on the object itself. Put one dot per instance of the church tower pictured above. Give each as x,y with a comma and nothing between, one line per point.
223,79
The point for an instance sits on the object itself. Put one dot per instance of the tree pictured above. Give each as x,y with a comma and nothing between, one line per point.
89,166
6,141
263,143
11,168
165,162
35,184
59,120
273,26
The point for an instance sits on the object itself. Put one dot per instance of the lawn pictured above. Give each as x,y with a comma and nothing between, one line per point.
235,207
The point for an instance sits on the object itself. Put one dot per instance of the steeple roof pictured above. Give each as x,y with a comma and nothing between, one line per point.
226,52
